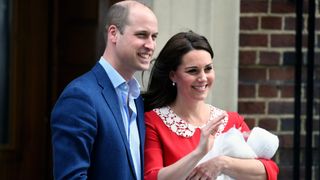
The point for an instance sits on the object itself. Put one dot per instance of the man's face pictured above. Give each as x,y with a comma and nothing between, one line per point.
136,45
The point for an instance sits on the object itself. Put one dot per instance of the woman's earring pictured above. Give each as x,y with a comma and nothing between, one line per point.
173,83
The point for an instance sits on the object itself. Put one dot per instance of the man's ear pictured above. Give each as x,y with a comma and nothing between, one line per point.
113,33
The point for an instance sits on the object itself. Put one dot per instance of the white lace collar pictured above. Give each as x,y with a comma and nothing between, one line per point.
181,127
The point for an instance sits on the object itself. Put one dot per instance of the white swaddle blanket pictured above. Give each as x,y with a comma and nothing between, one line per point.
260,144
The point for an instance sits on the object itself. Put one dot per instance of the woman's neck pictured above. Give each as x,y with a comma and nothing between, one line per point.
195,113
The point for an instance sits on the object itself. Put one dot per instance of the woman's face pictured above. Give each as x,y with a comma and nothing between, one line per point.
194,76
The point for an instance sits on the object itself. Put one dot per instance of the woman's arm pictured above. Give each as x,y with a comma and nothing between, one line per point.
181,168
237,168
242,168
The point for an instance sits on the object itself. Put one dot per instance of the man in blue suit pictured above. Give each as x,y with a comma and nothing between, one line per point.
97,123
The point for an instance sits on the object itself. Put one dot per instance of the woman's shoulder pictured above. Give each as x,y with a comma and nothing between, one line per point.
149,115
157,115
164,117
234,115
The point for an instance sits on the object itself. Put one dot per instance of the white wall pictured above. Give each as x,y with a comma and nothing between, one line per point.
218,20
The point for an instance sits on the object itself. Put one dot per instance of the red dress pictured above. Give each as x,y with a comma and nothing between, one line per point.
168,139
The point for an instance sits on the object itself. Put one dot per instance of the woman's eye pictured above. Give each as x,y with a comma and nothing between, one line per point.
192,71
208,69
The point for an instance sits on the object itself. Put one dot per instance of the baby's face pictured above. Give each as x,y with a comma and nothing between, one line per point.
245,135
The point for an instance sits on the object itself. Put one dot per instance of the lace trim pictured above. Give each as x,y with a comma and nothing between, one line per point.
181,127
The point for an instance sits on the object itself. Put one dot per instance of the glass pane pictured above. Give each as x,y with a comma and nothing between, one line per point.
4,69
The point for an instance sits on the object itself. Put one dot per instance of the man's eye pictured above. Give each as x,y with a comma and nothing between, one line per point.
141,35
154,37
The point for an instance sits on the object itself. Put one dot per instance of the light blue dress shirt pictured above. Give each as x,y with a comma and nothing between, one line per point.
127,92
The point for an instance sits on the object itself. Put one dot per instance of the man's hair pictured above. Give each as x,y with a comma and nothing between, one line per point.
118,16
118,13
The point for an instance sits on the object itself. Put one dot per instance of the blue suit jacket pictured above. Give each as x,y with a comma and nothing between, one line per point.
88,135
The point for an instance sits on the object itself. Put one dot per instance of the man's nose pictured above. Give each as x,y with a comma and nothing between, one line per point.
150,43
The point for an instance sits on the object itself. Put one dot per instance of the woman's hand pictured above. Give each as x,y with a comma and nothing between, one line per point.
181,168
249,169
208,133
210,169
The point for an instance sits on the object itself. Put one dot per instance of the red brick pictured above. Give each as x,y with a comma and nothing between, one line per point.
247,57
246,91
289,58
254,40
286,140
282,7
269,58
252,107
269,124
276,63
249,23
252,74
287,91
280,107
290,23
286,73
305,40
282,40
250,122
271,22
268,91
287,124
254,6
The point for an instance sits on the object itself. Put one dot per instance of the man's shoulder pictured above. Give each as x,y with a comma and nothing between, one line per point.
82,80
88,78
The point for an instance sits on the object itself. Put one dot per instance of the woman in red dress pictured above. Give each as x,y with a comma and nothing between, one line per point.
181,126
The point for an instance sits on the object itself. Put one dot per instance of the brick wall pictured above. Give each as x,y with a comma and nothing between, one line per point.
266,75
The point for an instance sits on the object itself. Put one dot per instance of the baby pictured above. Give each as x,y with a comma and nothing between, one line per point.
260,144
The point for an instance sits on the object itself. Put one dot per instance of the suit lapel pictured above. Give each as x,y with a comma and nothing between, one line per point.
141,127
110,96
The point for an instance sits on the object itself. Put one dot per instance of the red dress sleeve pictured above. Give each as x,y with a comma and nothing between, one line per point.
235,120
159,143
152,151
271,168
163,146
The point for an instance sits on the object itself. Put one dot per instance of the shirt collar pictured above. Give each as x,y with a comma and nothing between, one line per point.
117,80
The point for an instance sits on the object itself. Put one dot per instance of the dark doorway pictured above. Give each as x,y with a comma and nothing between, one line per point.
50,43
